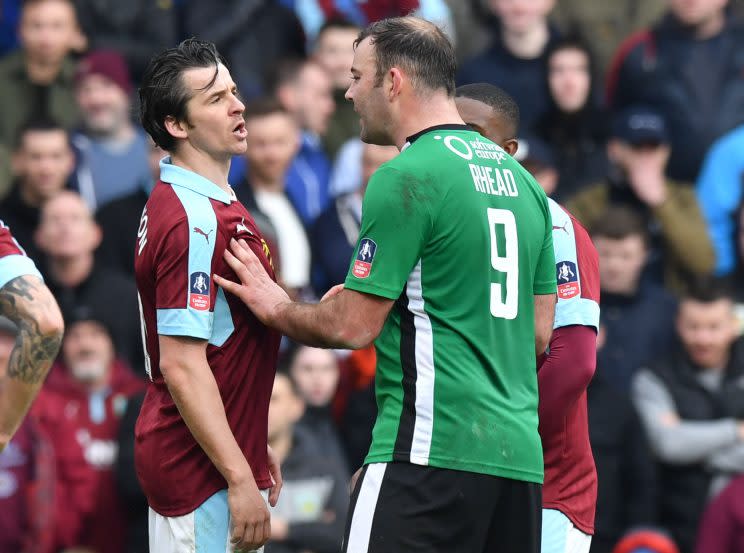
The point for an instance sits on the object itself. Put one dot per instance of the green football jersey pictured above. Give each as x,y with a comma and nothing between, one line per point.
459,235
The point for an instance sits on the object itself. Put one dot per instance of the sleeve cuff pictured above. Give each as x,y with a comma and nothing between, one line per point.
16,265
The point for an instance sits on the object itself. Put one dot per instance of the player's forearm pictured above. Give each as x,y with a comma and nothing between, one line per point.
195,393
29,304
566,373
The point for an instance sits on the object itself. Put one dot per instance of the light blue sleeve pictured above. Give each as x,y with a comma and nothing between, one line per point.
196,318
16,265
719,192
573,308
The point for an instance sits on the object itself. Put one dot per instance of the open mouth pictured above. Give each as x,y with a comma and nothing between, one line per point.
239,130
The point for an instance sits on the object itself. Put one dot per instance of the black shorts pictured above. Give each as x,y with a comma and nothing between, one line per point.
406,508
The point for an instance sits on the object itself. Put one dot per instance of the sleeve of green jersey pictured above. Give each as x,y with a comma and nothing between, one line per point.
395,224
545,282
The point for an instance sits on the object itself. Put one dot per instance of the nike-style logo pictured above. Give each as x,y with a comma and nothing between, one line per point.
563,228
197,230
241,226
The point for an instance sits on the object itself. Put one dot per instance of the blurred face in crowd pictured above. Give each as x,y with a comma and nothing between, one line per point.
310,98
214,123
44,162
372,157
272,143
520,16
546,176
334,51
707,330
285,408
47,30
88,352
697,12
315,372
620,262
569,79
370,101
67,229
104,105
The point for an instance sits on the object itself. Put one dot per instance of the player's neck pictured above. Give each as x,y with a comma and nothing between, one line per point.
439,109
528,44
71,271
281,445
205,165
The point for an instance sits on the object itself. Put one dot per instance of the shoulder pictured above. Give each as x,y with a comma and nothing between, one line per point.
12,63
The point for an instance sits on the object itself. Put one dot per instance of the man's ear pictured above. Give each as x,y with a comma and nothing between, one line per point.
395,82
176,128
511,146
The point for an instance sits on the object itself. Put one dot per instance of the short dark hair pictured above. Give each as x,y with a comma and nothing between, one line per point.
39,124
491,95
163,92
418,47
708,289
620,222
261,107
286,71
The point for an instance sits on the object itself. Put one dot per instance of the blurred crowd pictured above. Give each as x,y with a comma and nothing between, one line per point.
632,116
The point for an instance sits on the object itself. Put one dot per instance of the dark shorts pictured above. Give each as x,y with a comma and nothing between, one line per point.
406,508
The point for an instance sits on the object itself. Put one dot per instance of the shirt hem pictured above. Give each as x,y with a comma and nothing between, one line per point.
587,529
455,464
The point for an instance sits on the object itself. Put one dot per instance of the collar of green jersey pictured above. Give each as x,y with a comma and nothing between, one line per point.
447,127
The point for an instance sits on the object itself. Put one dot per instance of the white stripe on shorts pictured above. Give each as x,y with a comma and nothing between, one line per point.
364,509
559,535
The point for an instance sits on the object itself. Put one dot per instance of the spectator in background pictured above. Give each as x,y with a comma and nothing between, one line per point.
692,407
738,278
574,126
120,219
638,317
68,236
136,29
516,61
37,80
81,414
605,25
722,527
112,152
306,92
315,374
720,192
638,151
253,36
44,163
26,475
688,66
626,492
272,142
310,513
334,235
334,51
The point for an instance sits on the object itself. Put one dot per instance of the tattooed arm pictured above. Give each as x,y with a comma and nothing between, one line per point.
27,302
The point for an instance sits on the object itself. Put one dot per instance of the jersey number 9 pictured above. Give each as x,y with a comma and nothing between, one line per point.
502,225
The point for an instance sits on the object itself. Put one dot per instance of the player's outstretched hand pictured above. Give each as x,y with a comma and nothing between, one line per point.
251,521
276,476
256,289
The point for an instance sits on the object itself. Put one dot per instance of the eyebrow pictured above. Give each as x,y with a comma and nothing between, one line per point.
220,92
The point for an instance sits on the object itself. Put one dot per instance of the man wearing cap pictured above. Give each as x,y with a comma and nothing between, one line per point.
112,151
638,150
